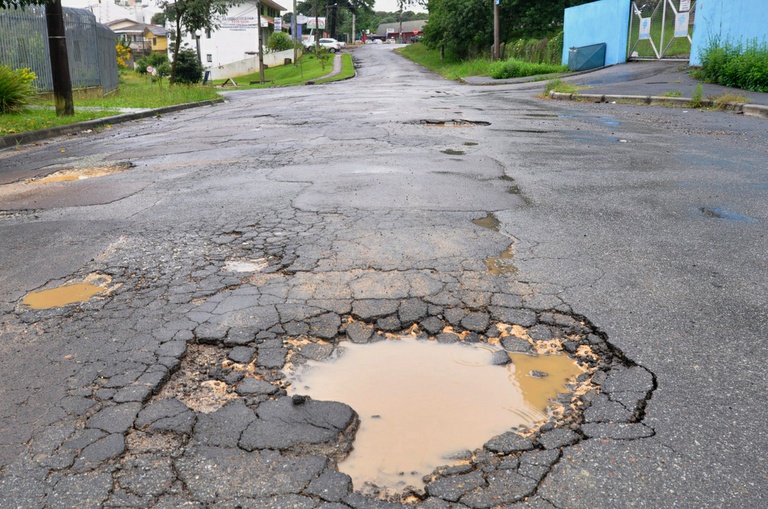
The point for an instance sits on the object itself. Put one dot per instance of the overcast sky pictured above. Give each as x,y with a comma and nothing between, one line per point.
391,6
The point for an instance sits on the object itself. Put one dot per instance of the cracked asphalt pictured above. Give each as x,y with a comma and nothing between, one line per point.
276,226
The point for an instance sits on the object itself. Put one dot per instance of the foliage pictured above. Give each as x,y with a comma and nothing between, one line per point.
513,68
15,88
696,96
558,85
190,16
721,101
123,54
465,27
156,60
735,65
538,51
159,18
347,70
323,56
188,68
279,41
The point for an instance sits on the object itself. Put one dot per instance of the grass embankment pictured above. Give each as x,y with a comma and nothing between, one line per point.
308,68
135,91
454,69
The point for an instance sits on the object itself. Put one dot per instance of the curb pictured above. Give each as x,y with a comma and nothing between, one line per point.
751,110
13,140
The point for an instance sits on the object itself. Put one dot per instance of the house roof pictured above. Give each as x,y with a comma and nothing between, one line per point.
408,26
156,30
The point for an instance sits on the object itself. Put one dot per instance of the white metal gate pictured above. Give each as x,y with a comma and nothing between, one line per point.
660,29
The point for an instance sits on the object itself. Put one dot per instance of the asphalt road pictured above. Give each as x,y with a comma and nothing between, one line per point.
637,231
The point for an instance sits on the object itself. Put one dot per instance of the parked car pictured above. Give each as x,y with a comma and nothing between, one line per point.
331,45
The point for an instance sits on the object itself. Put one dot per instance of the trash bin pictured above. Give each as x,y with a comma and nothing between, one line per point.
586,57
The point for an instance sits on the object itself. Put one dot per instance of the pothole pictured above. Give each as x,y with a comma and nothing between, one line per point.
502,264
452,152
490,221
450,123
422,404
255,265
66,175
69,293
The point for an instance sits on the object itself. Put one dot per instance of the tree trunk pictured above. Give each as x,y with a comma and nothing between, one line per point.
176,49
57,44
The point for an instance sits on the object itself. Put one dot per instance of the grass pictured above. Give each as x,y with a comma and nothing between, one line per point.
37,119
674,93
309,68
557,85
454,69
721,101
347,70
743,66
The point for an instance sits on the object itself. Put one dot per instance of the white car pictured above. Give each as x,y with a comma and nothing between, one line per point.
331,45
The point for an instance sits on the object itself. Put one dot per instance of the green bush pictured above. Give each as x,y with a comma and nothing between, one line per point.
15,88
279,41
735,65
513,68
188,67
156,60
537,51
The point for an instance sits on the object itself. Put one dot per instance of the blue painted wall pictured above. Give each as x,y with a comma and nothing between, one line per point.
732,20
604,21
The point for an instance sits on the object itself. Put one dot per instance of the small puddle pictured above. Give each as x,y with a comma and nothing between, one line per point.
726,214
421,403
489,221
69,175
502,264
70,293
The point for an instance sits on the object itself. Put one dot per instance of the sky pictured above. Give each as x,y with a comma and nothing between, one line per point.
391,6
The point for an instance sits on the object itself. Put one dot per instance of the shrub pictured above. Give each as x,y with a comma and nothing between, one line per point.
537,51
188,67
123,55
15,88
513,68
156,60
735,65
279,41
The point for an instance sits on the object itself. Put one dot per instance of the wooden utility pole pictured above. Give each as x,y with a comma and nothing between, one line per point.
496,36
57,44
260,43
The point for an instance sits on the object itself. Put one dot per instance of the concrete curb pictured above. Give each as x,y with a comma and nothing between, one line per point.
752,110
13,140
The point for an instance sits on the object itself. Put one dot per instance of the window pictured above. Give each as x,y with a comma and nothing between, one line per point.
154,41
208,34
209,57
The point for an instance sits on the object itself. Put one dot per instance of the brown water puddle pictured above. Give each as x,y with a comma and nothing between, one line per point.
502,264
421,402
81,173
489,221
70,293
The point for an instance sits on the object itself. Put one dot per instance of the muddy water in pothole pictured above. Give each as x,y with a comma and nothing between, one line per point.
489,221
502,264
421,402
61,296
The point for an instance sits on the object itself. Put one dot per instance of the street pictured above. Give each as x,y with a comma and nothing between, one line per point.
228,242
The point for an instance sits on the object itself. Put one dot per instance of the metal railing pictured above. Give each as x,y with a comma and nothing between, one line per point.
90,47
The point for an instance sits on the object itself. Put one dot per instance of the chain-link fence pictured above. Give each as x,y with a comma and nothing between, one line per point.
90,47
661,28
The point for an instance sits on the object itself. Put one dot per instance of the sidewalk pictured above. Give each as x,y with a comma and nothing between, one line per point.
645,82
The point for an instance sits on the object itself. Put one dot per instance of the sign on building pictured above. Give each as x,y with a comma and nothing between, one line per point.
278,24
238,23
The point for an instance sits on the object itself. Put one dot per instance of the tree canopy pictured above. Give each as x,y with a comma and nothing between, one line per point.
465,27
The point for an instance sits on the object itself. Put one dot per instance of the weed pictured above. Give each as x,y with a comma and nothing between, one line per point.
15,88
735,65
721,101
513,68
696,96
558,85
674,93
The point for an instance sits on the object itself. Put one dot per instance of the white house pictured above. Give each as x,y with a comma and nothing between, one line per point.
232,49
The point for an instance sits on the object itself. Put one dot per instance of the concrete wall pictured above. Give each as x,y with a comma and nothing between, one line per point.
597,22
249,65
731,20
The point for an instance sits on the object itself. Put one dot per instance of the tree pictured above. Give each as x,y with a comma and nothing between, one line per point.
57,46
158,18
192,15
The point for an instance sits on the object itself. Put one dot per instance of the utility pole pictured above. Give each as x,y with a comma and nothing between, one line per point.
293,34
57,44
496,36
317,31
259,42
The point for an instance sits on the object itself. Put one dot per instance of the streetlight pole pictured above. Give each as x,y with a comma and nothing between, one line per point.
496,36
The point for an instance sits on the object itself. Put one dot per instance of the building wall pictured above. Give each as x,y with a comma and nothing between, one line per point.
250,65
730,20
605,21
235,39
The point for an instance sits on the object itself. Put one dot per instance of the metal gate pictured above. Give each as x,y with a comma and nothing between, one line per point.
660,29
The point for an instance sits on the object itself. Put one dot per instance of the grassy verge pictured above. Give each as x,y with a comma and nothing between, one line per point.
347,70
308,68
37,119
454,69
562,87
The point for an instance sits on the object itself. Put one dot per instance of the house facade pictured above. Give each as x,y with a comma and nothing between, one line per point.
235,42
400,32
